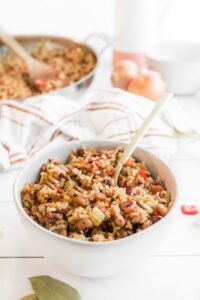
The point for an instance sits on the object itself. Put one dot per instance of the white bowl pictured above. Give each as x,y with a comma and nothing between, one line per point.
94,259
179,65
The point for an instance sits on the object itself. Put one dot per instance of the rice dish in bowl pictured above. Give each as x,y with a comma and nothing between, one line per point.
81,251
78,198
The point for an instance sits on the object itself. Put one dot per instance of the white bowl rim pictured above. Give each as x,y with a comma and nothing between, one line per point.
149,52
17,201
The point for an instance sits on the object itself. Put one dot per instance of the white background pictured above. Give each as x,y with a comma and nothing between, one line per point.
173,271
77,18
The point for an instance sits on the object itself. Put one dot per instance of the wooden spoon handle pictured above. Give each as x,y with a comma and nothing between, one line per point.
15,46
140,133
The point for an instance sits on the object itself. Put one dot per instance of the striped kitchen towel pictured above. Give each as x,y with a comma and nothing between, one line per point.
26,127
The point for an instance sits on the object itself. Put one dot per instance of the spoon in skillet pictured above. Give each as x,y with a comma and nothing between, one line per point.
36,69
140,133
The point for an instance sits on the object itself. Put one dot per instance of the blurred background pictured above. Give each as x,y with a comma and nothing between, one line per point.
77,18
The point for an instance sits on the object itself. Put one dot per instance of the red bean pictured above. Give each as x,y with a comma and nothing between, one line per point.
83,224
156,218
156,189
128,207
162,210
81,201
129,189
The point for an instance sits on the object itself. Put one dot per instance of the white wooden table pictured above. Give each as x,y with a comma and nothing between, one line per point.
171,273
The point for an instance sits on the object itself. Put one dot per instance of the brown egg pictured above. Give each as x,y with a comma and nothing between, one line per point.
148,84
123,73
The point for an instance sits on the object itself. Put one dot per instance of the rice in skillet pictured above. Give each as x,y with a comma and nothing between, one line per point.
71,63
79,200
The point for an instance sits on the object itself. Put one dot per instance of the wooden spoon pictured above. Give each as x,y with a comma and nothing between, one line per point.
140,133
36,69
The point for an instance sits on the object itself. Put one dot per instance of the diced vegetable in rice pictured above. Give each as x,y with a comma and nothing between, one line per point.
78,198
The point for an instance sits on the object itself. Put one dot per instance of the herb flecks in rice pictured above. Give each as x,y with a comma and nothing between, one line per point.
79,200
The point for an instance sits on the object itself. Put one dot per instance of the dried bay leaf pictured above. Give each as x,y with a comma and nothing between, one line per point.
48,288
30,297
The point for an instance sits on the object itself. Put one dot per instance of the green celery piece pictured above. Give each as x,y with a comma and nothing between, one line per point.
29,297
48,288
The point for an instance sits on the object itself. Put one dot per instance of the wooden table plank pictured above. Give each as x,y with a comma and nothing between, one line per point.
158,278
